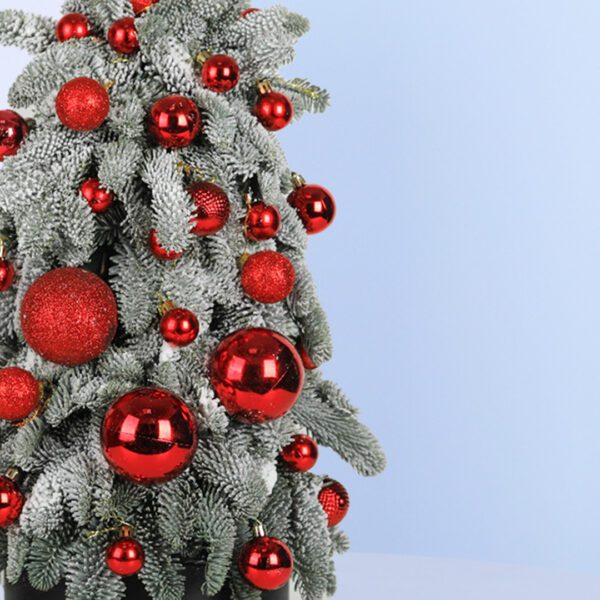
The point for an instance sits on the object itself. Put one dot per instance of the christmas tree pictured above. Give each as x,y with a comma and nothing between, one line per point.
161,337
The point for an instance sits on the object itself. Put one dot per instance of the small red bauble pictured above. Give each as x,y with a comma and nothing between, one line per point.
99,199
11,502
220,73
180,327
72,25
262,222
257,374
175,121
315,207
248,11
122,36
149,435
20,393
82,104
7,274
268,277
266,563
159,251
69,316
139,6
125,557
212,208
13,131
335,501
274,111
302,454
307,361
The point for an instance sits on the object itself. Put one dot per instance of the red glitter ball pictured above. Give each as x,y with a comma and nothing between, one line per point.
7,275
266,563
335,500
212,208
82,104
13,131
174,121
69,316
139,6
72,26
268,277
220,73
274,111
20,393
159,251
315,207
302,454
262,222
180,327
122,36
11,502
99,199
125,557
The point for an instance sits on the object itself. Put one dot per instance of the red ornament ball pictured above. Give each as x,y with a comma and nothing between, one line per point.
302,454
220,73
72,26
315,207
180,327
257,374
212,208
268,277
160,252
266,563
149,435
175,121
7,274
82,104
125,557
248,11
13,131
99,199
274,111
335,500
122,36
20,394
139,6
307,361
262,222
11,502
69,316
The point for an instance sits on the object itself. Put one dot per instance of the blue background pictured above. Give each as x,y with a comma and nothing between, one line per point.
461,277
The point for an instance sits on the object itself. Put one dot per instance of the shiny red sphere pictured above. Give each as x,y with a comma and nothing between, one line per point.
335,500
307,361
99,199
72,25
274,110
175,121
220,73
149,436
302,454
268,277
20,394
257,374
7,275
69,316
266,563
82,104
315,207
122,36
248,11
125,557
139,6
180,327
159,251
262,222
13,131
11,502
212,208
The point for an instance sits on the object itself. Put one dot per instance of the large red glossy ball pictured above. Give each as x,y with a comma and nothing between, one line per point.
274,111
268,277
158,250
125,557
72,26
122,36
13,131
175,121
302,454
139,6
82,104
266,563
220,73
262,222
257,374
315,207
180,327
69,316
99,198
11,502
20,393
149,435
212,208
335,500
7,275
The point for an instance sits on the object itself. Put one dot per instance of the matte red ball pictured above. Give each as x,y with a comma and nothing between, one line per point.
315,207
20,394
99,198
212,208
268,277
302,454
13,131
69,316
11,502
7,275
262,222
72,26
266,563
160,252
149,436
180,327
82,104
335,500
139,6
257,374
220,73
175,121
274,110
307,361
248,11
125,557
122,36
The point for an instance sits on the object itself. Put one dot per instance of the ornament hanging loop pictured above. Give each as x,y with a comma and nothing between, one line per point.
264,87
4,246
298,181
258,529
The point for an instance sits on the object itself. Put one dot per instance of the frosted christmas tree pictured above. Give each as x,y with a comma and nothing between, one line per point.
161,403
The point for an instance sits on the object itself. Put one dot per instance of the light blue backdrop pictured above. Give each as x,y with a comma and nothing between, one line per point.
462,276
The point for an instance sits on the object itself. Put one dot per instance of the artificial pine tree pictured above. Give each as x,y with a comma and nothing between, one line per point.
160,334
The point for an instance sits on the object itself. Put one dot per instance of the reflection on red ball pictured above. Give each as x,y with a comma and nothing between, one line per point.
175,121
159,251
82,104
13,131
99,199
335,500
262,222
11,502
302,454
274,111
180,327
122,36
268,277
315,207
7,275
20,393
125,557
266,563
220,73
212,208
139,6
72,26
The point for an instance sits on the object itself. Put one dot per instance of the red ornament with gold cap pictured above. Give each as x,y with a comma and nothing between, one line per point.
174,121
212,208
313,203
268,277
335,500
82,104
13,131
11,498
125,556
179,326
219,73
302,454
72,26
98,198
262,222
122,36
273,109
20,394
